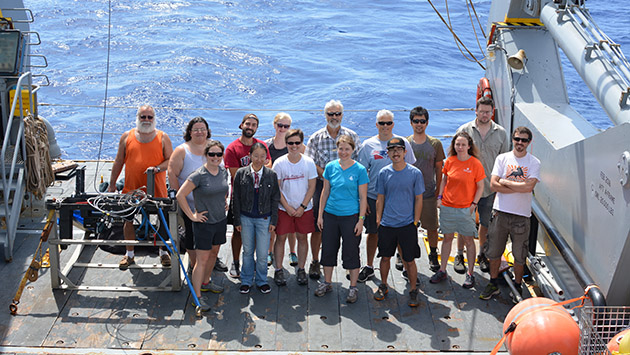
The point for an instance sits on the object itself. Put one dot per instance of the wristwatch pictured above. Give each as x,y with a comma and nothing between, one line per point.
157,169
362,217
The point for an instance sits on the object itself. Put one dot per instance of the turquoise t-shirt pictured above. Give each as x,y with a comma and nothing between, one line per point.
343,199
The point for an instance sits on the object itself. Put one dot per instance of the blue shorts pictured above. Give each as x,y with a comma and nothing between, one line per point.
457,220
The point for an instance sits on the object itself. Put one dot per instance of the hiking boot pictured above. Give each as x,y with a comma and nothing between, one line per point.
380,293
470,281
125,262
519,290
293,259
203,304
438,277
313,270
269,259
244,289
264,289
490,290
220,266
399,263
302,279
165,259
484,264
278,278
353,295
235,270
434,265
406,276
459,266
322,289
366,273
413,298
212,287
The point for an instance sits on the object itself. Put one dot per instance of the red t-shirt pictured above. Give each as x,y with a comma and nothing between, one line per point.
237,154
461,182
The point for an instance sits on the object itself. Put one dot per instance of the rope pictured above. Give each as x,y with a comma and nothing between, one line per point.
38,165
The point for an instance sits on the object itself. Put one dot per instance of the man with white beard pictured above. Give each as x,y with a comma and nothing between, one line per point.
142,149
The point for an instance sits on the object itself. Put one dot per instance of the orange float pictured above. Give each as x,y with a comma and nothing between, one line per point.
484,90
613,344
541,331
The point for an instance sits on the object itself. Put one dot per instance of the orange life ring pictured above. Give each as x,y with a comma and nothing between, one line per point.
484,90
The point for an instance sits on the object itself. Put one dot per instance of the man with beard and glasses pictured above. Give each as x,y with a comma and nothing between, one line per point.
514,177
237,156
142,149
322,148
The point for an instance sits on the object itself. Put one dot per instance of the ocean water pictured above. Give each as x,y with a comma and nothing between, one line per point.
223,59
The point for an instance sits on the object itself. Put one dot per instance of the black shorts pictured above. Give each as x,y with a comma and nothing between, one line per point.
207,235
189,242
389,238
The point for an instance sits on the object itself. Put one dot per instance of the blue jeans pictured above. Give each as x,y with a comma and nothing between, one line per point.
255,236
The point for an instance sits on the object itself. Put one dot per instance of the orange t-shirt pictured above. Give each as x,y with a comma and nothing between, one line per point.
461,182
140,156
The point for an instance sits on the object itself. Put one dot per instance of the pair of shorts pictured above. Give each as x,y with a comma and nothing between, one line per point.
189,241
457,220
207,235
429,215
319,186
340,230
484,208
502,224
288,224
370,218
406,236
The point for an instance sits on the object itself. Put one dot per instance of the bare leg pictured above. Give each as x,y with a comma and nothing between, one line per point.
433,238
412,272
471,252
212,259
385,265
494,268
328,271
302,249
200,269
371,245
354,276
316,243
518,273
446,249
129,233
272,239
292,240
278,250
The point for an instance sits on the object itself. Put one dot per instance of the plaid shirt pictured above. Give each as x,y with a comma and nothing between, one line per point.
322,148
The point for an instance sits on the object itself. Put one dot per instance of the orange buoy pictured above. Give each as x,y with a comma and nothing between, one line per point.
613,344
484,90
541,331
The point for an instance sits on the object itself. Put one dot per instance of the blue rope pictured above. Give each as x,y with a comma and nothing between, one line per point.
181,263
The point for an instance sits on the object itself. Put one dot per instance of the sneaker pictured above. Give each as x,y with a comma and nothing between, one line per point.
302,279
434,265
353,295
220,266
366,273
438,277
490,290
413,298
322,289
264,289
165,259
125,262
313,270
203,304
399,263
459,266
293,260
269,259
470,281
514,298
278,278
484,264
212,287
406,276
235,270
244,289
380,293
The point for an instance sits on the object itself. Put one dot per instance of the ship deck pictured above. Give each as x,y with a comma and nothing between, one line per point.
288,320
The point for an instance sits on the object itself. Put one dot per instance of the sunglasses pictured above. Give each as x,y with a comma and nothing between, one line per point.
334,113
144,117
215,154
383,123
519,139
416,121
294,143
280,125
199,130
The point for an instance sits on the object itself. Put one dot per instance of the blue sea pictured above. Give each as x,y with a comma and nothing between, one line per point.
223,59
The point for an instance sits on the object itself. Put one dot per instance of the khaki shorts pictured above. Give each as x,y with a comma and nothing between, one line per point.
517,227
429,215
